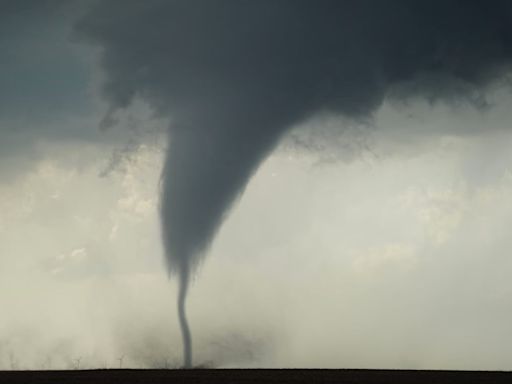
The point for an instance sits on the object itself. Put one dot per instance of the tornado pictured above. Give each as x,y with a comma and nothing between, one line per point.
233,76
198,191
182,316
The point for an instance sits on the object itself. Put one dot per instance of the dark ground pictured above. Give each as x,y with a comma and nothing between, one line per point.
213,376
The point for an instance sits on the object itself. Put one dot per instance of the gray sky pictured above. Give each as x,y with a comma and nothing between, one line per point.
375,242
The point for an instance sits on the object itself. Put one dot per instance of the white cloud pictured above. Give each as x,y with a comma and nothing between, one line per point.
373,260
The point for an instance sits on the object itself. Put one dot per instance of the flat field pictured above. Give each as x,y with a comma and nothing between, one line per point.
282,376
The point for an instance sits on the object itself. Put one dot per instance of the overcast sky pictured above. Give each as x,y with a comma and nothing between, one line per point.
376,239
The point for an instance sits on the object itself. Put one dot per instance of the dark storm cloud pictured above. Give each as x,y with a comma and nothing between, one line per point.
45,83
40,75
235,75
